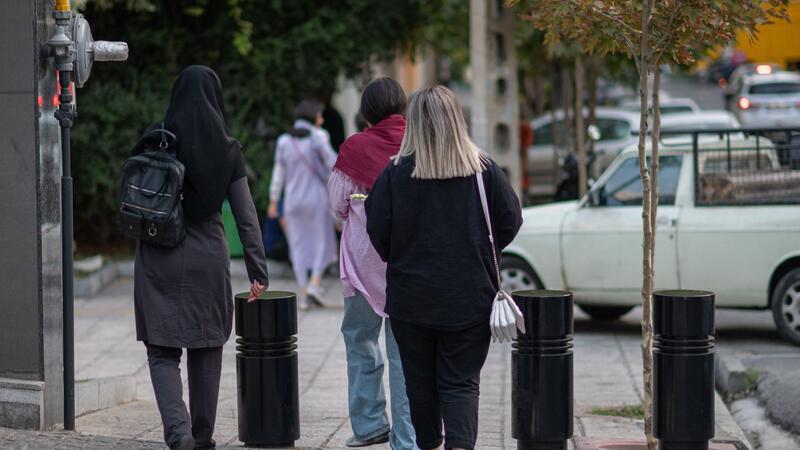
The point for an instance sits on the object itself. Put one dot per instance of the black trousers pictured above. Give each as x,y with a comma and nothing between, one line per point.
443,372
204,369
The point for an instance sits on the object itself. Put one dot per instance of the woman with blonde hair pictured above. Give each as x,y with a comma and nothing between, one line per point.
425,219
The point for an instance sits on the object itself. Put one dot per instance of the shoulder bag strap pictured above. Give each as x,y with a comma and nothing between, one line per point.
485,205
306,162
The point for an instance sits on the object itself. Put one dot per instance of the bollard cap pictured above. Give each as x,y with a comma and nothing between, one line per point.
268,295
272,316
547,313
683,314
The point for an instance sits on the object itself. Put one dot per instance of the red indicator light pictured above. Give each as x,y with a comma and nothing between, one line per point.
744,103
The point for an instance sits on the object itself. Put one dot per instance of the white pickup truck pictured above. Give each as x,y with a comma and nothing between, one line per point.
732,227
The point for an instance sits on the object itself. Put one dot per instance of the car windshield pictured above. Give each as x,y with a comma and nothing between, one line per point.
610,129
776,88
624,186
544,134
674,109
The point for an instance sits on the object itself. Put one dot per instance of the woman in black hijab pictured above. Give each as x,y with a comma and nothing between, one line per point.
182,294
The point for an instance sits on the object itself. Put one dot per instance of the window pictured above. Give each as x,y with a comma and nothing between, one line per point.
613,129
544,134
624,187
775,88
674,109
502,138
500,48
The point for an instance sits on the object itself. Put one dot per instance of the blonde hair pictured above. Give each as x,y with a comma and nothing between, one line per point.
436,134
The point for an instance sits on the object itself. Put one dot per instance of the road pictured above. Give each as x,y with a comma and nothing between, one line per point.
707,95
749,337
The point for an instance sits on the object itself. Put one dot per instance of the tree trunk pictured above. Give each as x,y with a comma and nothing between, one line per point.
591,86
566,99
647,225
541,101
591,82
557,97
655,164
580,131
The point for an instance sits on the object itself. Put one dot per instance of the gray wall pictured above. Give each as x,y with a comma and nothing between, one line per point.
30,255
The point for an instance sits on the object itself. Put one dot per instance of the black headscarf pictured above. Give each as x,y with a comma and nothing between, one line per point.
213,158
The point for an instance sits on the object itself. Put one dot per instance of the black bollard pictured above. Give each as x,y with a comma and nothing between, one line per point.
683,369
541,372
266,370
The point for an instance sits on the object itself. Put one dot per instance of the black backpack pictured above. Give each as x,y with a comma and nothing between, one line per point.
150,191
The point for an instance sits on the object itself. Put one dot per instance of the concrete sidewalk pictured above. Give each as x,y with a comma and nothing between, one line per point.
607,375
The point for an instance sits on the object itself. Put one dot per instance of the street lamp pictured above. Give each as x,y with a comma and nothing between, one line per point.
74,51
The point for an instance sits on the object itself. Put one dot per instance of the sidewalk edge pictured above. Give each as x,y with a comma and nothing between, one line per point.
100,393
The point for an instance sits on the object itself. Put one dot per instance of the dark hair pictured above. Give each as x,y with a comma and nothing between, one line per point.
382,98
361,123
308,109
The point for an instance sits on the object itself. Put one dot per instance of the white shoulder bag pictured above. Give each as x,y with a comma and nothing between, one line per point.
506,316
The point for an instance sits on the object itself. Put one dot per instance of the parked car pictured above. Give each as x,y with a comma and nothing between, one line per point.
733,86
544,159
734,231
667,105
772,100
710,119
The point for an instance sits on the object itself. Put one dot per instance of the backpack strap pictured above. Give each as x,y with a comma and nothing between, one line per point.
165,138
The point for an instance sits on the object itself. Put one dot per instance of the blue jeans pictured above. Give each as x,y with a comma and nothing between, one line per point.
361,329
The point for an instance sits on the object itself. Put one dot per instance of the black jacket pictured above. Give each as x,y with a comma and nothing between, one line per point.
433,236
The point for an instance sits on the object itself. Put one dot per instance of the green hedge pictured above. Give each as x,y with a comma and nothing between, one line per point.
268,53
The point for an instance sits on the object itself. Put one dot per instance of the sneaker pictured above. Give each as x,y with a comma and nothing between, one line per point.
316,295
379,439
183,443
302,303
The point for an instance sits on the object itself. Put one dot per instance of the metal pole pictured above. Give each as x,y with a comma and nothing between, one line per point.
65,114
696,161
64,52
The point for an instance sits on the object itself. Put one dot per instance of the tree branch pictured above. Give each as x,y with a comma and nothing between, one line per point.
619,22
668,33
613,18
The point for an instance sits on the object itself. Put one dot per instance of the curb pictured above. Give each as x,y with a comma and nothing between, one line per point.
88,286
610,432
101,393
731,376
93,283
727,430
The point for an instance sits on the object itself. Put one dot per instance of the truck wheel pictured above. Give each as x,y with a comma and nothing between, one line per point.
605,312
517,275
786,306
